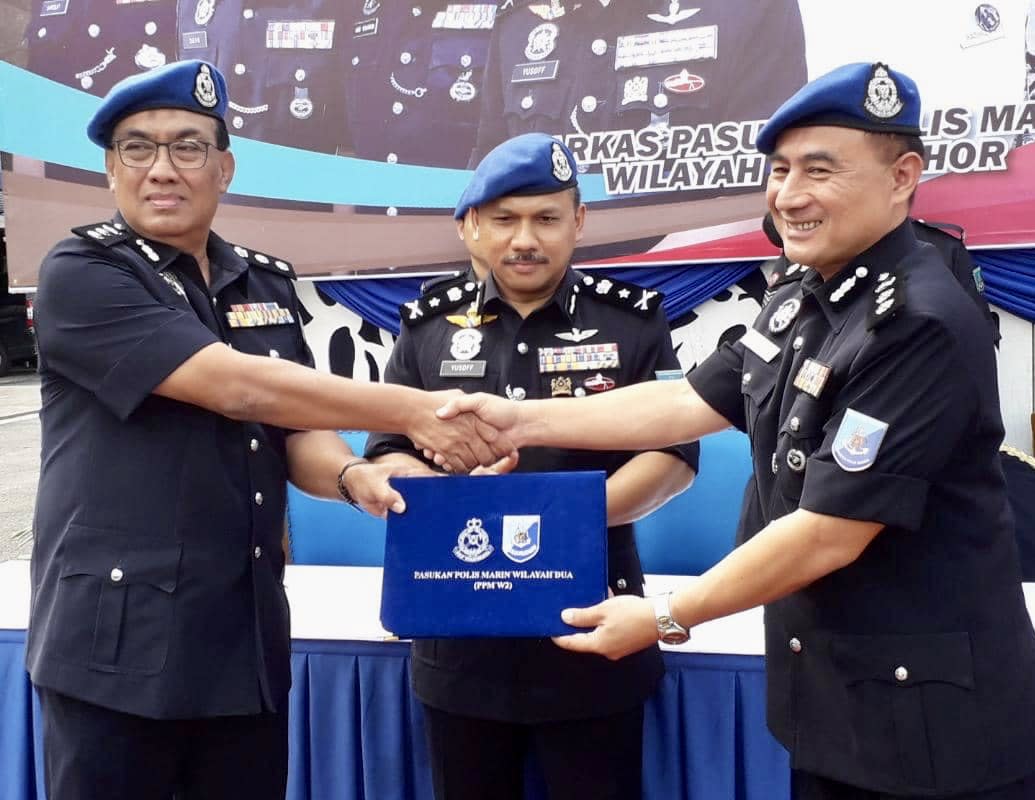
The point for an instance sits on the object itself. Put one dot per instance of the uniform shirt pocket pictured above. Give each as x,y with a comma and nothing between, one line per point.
124,585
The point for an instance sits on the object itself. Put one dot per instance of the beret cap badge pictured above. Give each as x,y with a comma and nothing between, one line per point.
561,167
882,99
205,88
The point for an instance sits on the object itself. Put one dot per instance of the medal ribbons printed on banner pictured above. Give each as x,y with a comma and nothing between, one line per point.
667,47
579,357
254,315
300,34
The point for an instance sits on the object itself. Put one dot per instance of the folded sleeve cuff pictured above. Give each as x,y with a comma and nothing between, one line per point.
894,500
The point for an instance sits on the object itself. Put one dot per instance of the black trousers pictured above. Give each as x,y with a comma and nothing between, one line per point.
806,786
479,759
94,753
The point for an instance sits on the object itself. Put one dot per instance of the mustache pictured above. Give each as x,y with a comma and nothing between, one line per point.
526,258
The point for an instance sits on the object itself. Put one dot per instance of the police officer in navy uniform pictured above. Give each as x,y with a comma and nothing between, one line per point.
413,77
283,66
176,403
92,46
490,702
899,652
605,65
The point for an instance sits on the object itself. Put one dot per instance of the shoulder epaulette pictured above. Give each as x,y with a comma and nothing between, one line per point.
947,228
263,261
889,294
1020,455
442,281
618,293
436,301
794,272
104,233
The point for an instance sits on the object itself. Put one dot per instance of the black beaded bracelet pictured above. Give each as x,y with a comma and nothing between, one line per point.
343,490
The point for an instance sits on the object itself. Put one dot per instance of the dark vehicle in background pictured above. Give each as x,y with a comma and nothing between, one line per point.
17,336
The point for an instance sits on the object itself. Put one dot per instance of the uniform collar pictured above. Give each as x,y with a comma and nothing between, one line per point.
560,298
225,263
158,254
839,295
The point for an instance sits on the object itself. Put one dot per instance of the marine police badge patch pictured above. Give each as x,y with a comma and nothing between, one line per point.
857,441
521,537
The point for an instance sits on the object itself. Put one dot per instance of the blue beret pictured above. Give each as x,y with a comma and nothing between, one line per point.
532,163
870,97
192,85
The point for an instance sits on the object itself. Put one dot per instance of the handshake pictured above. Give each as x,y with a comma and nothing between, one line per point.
462,432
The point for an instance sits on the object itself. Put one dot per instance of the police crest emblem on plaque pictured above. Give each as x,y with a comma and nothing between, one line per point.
521,536
472,545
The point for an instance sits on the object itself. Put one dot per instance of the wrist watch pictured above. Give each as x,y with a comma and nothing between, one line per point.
669,631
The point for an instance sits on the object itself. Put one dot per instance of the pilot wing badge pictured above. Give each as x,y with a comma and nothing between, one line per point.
521,537
857,441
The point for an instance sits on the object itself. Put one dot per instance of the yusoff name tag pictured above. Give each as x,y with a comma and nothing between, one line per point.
494,555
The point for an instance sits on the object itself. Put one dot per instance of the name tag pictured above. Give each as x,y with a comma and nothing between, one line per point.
300,35
534,71
466,16
667,47
366,27
255,315
52,8
194,40
462,369
759,345
578,357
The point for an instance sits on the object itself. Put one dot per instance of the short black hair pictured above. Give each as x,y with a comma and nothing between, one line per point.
892,146
576,195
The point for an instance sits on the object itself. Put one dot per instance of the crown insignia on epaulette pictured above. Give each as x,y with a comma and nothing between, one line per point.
106,233
264,261
618,293
437,301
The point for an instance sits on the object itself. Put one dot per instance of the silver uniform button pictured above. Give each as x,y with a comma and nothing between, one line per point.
518,393
580,392
405,58
258,498
465,60
776,466
397,108
795,645
116,575
215,301
253,445
274,354
257,552
901,673
746,379
522,348
621,583
795,424
299,75
798,342
527,102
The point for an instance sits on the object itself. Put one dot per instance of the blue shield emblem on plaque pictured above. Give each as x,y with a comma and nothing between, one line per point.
857,441
521,537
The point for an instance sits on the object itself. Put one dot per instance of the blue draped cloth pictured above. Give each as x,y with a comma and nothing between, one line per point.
356,730
1009,284
377,300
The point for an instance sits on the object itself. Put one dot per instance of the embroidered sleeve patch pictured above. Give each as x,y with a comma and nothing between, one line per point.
857,441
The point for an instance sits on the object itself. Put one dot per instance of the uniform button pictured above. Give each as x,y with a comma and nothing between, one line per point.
116,575
746,379
215,301
518,393
589,104
274,354
94,31
392,158
798,342
299,75
527,102
795,645
239,69
621,583
392,211
247,13
416,11
253,445
465,60
397,108
580,392
776,466
150,28
405,58
257,552
522,348
258,498
355,61
795,424
901,673
599,47
237,122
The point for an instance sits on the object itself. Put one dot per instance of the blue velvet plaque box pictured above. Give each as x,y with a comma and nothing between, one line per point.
497,555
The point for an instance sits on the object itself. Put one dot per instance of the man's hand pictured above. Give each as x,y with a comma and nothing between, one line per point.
621,625
501,467
369,487
488,412
459,442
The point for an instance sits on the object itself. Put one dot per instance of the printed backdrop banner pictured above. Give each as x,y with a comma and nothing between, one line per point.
355,122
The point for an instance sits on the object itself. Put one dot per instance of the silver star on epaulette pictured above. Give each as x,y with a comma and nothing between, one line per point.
624,294
434,301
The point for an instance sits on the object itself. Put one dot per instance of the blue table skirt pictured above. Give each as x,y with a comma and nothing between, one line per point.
356,728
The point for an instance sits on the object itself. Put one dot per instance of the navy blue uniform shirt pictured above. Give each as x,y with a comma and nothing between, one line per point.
157,564
533,680
873,396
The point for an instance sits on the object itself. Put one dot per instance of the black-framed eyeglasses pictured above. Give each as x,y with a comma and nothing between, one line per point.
184,153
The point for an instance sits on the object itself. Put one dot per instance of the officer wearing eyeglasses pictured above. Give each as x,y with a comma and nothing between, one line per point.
171,421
